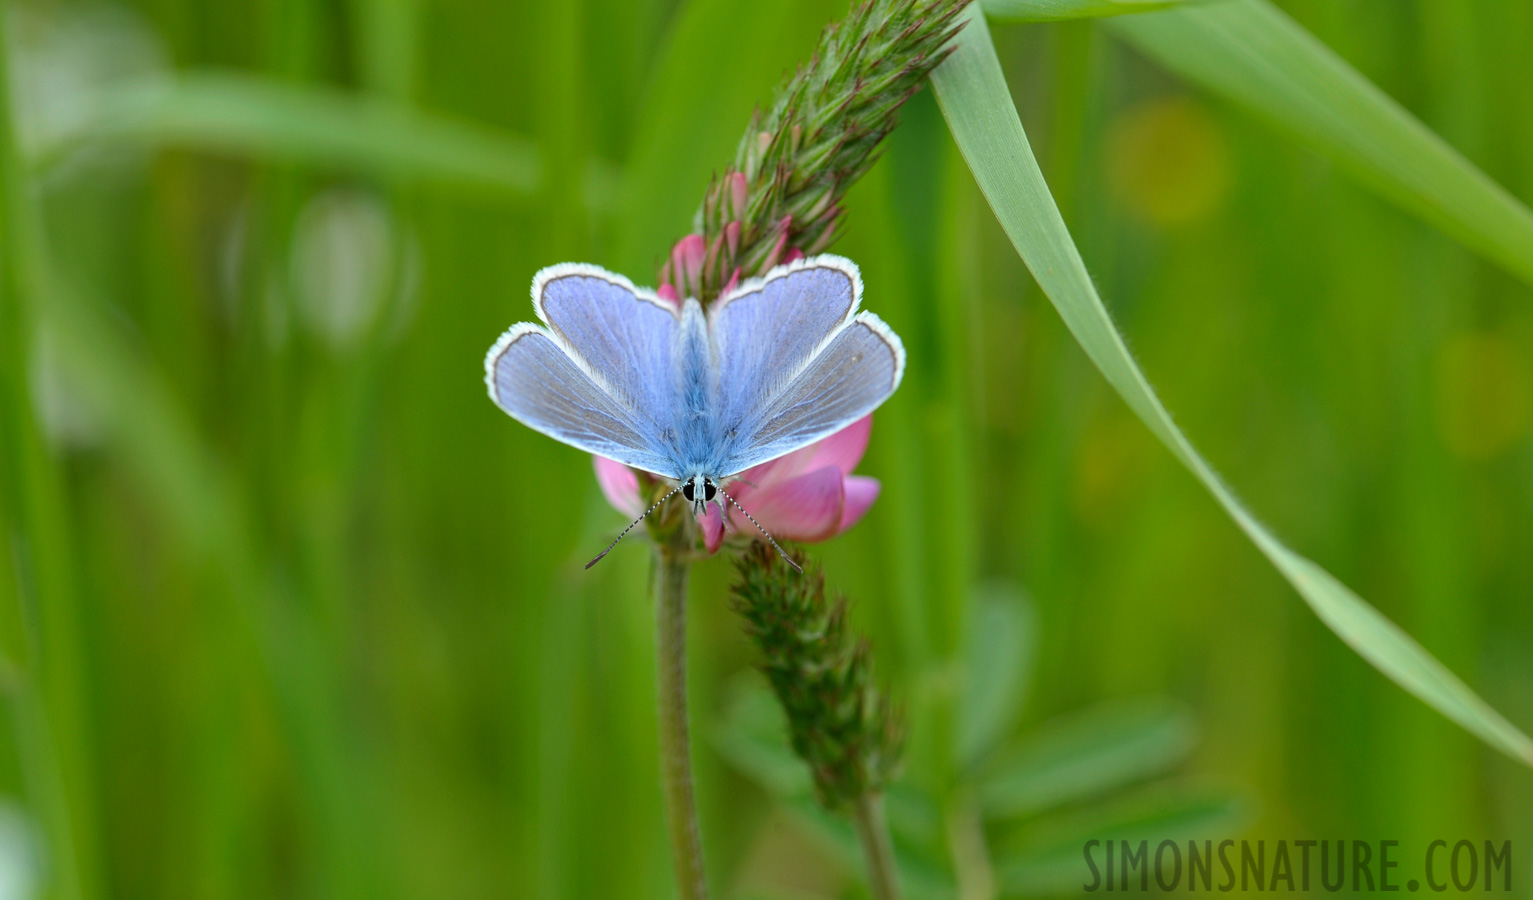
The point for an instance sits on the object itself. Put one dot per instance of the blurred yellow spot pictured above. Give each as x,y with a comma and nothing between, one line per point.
1107,466
1167,161
1483,398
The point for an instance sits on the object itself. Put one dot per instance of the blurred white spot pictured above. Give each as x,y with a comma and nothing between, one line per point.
64,418
345,263
20,854
63,57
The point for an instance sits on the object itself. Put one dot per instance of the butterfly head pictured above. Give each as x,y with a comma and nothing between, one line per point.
700,490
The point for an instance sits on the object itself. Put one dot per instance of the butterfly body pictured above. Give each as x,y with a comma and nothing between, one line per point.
695,396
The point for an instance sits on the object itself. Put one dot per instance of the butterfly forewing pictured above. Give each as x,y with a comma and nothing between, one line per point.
539,384
626,339
850,377
764,334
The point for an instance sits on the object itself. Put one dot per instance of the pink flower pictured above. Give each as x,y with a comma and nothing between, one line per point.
808,495
620,485
682,275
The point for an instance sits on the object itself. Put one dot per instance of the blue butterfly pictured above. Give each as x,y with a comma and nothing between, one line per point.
695,396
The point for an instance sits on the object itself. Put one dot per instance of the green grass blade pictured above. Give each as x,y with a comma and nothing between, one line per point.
44,687
256,117
1253,54
1062,10
972,91
997,658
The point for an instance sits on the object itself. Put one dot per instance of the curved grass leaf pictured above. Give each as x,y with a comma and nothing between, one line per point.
1250,52
1087,754
1061,10
972,91
256,117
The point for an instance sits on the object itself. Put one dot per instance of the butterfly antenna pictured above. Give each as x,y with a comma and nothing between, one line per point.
633,523
771,540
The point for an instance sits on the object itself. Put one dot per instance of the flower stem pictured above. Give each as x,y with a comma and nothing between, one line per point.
671,567
877,850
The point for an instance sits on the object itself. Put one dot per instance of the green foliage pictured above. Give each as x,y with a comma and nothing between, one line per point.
1064,10
1109,772
255,118
840,724
324,630
1090,753
978,105
1249,52
996,652
1049,861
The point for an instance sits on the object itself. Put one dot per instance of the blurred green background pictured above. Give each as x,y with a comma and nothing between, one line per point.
291,609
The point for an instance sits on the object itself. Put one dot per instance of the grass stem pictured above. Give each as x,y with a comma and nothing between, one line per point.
877,849
671,568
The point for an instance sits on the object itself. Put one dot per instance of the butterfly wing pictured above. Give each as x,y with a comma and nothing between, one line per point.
797,362
600,374
765,331
627,338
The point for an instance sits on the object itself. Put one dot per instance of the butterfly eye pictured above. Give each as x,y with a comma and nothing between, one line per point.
708,490
686,491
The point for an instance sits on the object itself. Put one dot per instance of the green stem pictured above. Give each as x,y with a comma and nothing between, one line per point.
671,567
971,858
39,624
877,850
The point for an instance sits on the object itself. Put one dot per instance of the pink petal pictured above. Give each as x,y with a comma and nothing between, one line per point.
620,486
806,508
739,193
667,293
860,494
687,255
777,470
845,448
739,489
687,263
794,255
713,529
